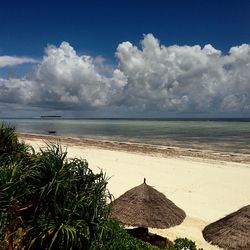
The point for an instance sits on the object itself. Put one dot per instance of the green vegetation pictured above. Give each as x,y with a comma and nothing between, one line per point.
11,150
184,244
115,237
48,201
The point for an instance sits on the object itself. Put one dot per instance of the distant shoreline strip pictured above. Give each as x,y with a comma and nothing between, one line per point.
153,150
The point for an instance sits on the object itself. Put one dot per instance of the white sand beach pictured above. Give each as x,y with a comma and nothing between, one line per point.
206,189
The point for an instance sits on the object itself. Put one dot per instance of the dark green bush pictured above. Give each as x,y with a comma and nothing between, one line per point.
184,244
115,237
48,201
11,149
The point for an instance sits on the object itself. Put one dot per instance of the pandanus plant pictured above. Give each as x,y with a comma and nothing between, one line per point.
11,149
48,201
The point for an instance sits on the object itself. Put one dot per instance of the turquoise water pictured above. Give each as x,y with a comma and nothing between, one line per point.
220,135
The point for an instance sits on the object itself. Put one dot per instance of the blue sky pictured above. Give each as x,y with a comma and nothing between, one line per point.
97,28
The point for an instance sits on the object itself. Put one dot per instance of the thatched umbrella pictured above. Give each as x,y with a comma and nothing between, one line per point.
144,206
231,232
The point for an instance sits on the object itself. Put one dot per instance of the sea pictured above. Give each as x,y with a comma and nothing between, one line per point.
223,135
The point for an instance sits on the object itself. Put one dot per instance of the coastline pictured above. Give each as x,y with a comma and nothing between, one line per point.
206,188
143,148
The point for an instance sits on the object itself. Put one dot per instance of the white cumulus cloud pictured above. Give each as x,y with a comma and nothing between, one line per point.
151,77
83,81
185,78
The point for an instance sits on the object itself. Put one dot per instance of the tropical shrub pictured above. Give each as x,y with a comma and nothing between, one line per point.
184,244
48,201
115,237
11,149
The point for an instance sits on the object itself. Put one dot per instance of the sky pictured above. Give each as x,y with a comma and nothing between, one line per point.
151,58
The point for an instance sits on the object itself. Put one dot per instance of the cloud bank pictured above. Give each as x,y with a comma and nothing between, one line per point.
13,60
152,77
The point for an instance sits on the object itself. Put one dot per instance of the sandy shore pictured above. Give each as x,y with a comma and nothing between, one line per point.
155,150
206,187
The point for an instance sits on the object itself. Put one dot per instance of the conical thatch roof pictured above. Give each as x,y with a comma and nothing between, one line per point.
144,206
231,232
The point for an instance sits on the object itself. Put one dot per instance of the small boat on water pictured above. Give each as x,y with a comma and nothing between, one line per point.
51,132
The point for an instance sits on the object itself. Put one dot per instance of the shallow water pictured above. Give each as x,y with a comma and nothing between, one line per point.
220,135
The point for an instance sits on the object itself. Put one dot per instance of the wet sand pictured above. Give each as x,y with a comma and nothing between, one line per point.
155,150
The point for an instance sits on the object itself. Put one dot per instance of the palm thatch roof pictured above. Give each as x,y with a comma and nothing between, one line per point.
144,206
231,232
